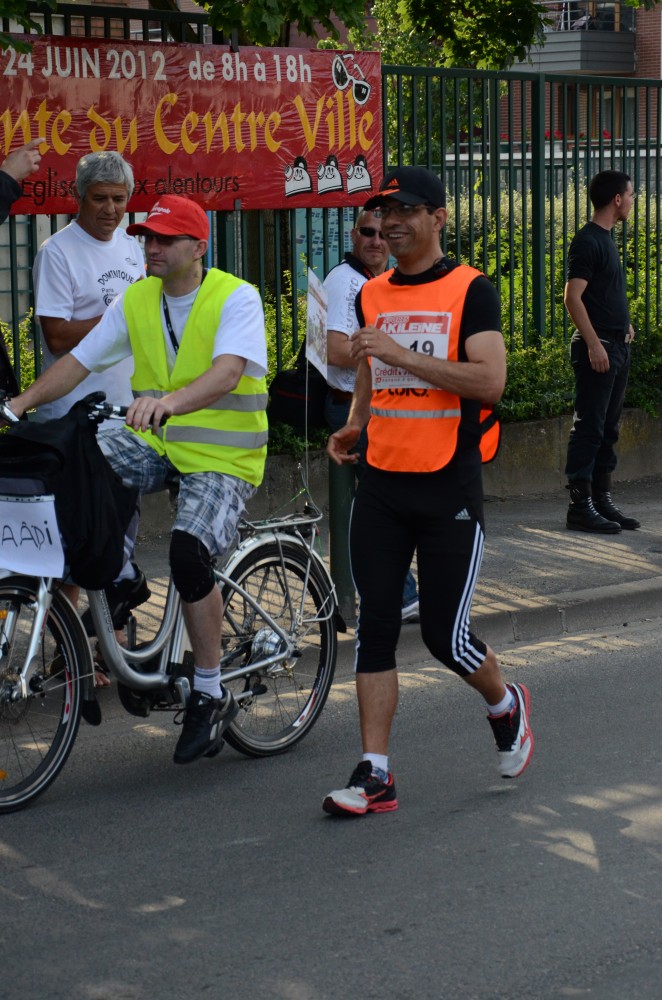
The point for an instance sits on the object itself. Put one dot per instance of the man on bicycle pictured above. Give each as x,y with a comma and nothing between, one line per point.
198,344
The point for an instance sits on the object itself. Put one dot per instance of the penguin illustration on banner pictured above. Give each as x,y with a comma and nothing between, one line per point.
297,178
328,175
358,176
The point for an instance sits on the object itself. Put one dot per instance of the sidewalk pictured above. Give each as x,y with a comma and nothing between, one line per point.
540,580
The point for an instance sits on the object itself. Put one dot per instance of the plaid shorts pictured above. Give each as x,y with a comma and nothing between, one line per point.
209,504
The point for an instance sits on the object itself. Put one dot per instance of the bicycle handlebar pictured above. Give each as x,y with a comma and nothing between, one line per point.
104,411
6,414
96,404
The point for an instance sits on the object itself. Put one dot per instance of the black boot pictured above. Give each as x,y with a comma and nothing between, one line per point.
122,598
603,503
582,515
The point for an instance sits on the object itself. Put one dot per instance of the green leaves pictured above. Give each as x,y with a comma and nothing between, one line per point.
268,22
481,34
486,34
17,10
26,373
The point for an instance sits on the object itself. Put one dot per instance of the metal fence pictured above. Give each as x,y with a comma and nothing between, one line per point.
515,151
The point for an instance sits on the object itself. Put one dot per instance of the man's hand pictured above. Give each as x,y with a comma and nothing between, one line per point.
598,358
147,413
24,161
339,444
371,342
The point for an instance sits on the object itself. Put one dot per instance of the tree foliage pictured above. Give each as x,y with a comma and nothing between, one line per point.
486,34
268,22
489,34
17,10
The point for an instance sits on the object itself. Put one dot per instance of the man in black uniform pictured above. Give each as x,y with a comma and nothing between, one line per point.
600,354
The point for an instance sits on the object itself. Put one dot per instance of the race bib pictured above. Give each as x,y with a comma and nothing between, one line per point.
420,332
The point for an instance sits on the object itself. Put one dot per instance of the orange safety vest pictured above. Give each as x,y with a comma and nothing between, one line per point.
414,427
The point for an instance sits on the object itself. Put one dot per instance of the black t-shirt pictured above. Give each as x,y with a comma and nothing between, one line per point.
482,311
593,257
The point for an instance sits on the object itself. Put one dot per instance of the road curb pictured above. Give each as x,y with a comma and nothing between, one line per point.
569,612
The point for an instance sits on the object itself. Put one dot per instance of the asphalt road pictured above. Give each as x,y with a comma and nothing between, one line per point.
133,879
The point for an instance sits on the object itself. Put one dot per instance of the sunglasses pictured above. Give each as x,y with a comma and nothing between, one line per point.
400,210
345,71
370,233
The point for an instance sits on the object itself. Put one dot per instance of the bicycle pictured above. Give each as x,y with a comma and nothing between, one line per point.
279,649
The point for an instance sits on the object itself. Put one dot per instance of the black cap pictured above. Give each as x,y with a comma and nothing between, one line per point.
412,186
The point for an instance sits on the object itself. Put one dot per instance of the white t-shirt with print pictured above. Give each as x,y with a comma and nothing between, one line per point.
77,277
342,284
240,332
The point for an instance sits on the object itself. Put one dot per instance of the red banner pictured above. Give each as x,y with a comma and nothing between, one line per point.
269,128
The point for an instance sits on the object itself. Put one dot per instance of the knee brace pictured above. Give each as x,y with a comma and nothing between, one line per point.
191,567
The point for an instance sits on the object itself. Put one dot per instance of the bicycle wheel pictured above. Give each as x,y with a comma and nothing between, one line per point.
37,732
278,703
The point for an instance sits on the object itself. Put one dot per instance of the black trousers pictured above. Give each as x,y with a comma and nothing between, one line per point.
599,399
394,515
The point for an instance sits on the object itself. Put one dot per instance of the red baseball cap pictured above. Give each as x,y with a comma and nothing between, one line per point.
173,215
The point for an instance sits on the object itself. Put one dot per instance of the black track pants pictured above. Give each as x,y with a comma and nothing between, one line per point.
394,515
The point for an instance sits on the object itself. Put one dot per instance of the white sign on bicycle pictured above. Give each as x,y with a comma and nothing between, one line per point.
29,536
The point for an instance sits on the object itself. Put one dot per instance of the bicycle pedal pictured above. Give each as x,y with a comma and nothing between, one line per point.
214,752
183,688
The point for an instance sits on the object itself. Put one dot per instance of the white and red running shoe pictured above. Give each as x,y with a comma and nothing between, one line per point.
365,792
513,735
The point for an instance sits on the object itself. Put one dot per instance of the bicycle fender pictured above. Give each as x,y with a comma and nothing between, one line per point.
256,541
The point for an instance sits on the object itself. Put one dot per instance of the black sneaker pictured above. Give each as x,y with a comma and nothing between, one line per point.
205,720
512,732
122,598
126,595
365,792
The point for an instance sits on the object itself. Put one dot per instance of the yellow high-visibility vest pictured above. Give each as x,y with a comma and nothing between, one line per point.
230,435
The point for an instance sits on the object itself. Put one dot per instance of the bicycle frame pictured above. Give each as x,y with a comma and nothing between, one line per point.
278,646
171,640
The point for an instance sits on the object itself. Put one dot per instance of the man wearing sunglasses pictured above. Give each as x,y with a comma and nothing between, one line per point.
368,258
429,353
198,345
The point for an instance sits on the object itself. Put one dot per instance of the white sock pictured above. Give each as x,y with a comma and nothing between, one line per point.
378,760
127,572
505,705
208,681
